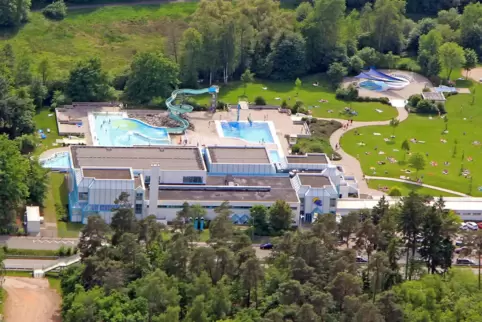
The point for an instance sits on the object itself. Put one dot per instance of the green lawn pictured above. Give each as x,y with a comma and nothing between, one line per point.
58,194
43,122
114,34
308,94
463,116
406,188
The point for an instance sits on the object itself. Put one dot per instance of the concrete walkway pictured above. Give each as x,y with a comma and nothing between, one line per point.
418,184
350,164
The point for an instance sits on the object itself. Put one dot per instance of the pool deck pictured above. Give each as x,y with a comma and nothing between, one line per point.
206,132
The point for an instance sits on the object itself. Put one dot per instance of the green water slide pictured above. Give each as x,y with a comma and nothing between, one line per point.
175,111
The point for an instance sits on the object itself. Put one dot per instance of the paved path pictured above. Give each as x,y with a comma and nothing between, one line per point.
37,243
418,184
350,164
20,263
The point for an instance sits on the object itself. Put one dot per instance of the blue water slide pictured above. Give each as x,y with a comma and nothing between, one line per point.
176,110
376,73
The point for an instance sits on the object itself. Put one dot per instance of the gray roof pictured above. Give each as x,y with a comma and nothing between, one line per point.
119,174
315,181
433,96
308,158
269,189
168,157
238,154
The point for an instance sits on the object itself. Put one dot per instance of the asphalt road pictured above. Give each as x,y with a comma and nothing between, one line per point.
12,264
37,243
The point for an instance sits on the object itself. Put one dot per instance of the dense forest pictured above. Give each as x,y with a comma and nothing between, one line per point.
225,39
140,271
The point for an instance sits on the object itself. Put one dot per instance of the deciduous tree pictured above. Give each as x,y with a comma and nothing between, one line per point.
451,56
88,82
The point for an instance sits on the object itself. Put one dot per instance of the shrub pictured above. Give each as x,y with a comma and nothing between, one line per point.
284,105
395,192
57,10
221,105
61,212
414,99
349,93
295,148
298,107
426,107
259,100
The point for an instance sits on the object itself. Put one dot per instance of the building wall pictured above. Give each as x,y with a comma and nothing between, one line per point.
105,192
236,169
172,176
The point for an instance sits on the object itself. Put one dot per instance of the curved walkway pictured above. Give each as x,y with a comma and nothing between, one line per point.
351,164
48,153
418,184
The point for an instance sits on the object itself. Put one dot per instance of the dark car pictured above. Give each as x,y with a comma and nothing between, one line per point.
266,246
360,259
460,250
464,261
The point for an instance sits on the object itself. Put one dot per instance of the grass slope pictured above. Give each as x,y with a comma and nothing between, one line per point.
113,34
308,94
406,188
464,128
43,122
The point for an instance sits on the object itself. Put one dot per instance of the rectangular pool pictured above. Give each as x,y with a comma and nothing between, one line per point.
274,156
253,132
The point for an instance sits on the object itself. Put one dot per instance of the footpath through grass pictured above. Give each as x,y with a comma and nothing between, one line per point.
114,34
461,147
406,188
310,95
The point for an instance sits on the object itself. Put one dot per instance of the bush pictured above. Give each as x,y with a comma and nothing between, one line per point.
298,108
61,212
259,100
56,10
284,105
395,192
426,107
414,99
349,93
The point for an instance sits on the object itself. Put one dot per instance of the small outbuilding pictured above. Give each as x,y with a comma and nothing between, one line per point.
436,97
33,220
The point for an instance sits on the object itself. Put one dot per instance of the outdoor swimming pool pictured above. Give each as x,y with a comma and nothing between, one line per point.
59,160
256,132
113,129
274,156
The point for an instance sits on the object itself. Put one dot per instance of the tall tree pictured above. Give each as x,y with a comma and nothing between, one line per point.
251,277
13,13
152,75
123,218
221,227
428,57
471,60
452,57
38,92
44,70
280,216
287,59
322,30
88,82
471,27
190,60
247,77
379,266
417,161
93,236
348,226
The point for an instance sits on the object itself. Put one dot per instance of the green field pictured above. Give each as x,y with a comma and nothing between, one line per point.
308,94
114,34
406,188
43,122
464,119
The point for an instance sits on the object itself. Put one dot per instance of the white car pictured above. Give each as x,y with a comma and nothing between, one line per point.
472,226
463,226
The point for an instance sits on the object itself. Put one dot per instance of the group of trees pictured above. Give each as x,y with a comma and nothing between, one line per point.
23,179
139,271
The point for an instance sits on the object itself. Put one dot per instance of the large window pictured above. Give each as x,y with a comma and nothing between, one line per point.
139,196
192,180
138,209
332,203
83,195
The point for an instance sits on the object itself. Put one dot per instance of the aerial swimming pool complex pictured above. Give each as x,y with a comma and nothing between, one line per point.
116,129
252,132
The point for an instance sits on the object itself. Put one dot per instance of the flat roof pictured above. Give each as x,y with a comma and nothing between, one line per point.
315,181
308,158
33,213
114,174
238,154
281,189
433,96
168,157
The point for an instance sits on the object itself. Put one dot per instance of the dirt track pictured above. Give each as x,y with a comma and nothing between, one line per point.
31,300
475,74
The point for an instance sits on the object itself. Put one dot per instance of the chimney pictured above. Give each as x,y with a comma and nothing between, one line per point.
154,189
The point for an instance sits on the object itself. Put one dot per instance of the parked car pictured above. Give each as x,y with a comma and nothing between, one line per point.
472,226
463,226
479,224
464,261
460,249
360,259
459,243
266,246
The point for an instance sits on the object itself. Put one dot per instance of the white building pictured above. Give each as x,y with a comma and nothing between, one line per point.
243,176
33,220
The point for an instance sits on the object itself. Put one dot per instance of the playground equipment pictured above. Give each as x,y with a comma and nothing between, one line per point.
239,109
177,110
378,81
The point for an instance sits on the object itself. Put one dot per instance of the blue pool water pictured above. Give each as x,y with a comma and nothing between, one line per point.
274,156
115,130
60,160
254,133
373,85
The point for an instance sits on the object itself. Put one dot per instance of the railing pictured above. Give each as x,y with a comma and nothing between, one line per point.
61,263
